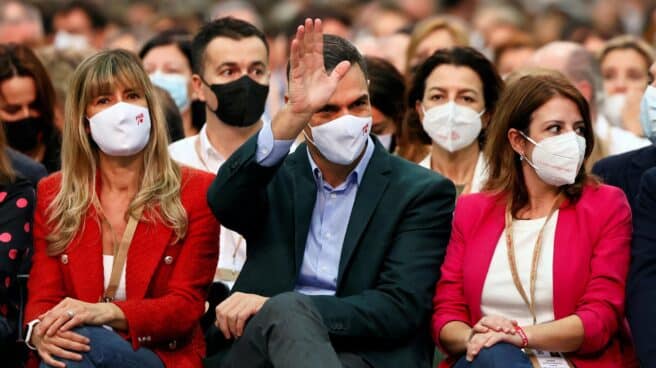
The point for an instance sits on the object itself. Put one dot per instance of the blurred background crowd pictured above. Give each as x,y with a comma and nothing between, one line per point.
605,48
618,33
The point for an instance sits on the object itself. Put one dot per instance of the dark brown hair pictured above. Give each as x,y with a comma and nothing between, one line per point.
386,89
515,110
19,61
413,137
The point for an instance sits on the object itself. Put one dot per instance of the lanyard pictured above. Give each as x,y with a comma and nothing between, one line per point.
530,303
226,274
120,257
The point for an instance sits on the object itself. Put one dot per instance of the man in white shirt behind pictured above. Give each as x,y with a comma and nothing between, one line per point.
231,75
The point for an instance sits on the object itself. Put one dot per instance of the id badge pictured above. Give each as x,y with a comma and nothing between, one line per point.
545,359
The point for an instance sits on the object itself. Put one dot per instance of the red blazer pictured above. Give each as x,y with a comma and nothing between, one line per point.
591,259
166,282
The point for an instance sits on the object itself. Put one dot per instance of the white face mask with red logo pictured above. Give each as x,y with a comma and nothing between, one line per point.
122,129
342,140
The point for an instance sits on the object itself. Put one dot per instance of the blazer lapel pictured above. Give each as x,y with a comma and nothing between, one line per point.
371,188
565,255
146,253
305,194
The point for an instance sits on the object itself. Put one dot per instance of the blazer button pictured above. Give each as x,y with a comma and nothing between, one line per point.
168,260
173,344
64,258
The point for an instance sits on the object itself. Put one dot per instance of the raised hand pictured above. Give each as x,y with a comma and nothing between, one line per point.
310,85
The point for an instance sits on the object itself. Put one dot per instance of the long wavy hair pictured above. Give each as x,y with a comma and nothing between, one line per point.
159,190
514,111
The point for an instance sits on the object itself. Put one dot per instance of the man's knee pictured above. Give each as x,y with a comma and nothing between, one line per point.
281,306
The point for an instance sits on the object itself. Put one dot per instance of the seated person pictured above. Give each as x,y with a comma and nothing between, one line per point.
345,240
27,106
534,261
625,170
125,248
16,208
454,94
640,290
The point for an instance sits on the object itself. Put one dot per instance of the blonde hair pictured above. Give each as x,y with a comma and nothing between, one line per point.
423,29
630,42
159,191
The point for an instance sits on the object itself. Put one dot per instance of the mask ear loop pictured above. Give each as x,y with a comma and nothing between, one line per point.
525,158
307,138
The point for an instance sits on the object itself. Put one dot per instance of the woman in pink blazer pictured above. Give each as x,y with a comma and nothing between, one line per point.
537,262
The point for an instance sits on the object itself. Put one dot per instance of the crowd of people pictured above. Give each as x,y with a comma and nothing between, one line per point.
357,184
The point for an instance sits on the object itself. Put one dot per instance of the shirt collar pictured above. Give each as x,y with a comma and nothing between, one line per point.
358,172
207,152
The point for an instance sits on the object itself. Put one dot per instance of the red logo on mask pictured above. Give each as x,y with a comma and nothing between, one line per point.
140,118
365,129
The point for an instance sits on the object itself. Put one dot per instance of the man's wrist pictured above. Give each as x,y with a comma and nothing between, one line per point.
287,124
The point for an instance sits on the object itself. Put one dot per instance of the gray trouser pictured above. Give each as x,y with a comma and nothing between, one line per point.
288,332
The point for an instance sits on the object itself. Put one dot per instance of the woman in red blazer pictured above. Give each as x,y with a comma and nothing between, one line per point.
537,261
119,194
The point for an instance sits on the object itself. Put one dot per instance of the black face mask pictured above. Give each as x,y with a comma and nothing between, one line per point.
241,102
23,135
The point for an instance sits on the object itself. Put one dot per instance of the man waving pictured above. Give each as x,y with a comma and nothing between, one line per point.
345,240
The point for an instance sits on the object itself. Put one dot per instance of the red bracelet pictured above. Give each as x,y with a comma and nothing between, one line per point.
522,334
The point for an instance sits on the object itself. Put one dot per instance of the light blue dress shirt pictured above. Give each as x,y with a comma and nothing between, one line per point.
330,217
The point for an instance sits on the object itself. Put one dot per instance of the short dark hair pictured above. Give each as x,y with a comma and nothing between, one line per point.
179,38
336,50
98,20
386,88
223,27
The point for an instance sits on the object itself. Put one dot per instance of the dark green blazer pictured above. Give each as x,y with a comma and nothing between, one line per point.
391,257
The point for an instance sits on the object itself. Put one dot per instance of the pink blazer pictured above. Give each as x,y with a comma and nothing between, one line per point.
591,260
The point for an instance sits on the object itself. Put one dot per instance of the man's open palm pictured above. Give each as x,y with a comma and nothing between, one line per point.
310,86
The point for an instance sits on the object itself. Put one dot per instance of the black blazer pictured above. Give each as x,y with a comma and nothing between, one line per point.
391,257
641,284
625,170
